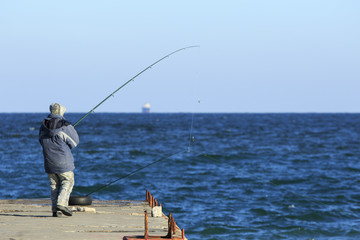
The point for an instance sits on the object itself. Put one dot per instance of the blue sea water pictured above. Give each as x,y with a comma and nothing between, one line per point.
222,176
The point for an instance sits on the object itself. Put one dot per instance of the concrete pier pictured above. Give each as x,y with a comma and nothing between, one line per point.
32,219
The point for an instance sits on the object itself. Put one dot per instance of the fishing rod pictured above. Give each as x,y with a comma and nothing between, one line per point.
133,172
112,94
87,199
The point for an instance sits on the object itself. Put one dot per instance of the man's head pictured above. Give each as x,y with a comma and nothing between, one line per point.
57,109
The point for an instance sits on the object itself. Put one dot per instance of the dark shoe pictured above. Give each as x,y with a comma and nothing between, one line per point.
55,214
64,210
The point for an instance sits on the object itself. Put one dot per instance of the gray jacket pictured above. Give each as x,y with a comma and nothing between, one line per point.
57,137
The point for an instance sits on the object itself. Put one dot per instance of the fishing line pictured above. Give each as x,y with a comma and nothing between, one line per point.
191,138
195,94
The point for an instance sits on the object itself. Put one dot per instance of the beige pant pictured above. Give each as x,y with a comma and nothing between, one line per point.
61,185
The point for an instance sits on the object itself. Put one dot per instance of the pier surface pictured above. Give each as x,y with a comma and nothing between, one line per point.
32,219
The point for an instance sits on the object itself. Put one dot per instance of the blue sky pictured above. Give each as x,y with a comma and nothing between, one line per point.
254,56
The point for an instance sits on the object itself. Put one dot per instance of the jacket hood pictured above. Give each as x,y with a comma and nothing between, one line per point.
46,132
49,132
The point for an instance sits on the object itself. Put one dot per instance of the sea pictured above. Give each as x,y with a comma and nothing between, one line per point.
222,176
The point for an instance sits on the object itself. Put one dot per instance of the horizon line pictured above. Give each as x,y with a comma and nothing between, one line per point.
106,112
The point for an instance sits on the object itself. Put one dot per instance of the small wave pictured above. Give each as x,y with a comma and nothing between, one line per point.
241,180
287,181
214,230
262,212
137,153
352,169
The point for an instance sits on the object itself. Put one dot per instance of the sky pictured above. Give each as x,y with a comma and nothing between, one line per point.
255,56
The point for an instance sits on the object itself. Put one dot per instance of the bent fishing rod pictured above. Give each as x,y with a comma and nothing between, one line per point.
132,79
112,94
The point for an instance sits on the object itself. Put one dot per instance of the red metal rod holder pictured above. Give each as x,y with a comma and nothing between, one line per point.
146,235
171,225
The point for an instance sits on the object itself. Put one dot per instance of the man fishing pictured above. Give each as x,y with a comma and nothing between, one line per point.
57,137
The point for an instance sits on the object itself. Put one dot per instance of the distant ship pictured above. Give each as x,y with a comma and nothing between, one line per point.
146,108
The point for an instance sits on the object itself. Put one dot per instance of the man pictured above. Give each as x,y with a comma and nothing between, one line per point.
57,137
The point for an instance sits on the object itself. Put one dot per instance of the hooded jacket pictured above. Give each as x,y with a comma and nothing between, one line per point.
57,137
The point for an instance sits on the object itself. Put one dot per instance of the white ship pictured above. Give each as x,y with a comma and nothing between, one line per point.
146,108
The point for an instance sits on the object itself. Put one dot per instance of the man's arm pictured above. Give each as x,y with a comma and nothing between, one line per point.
70,136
